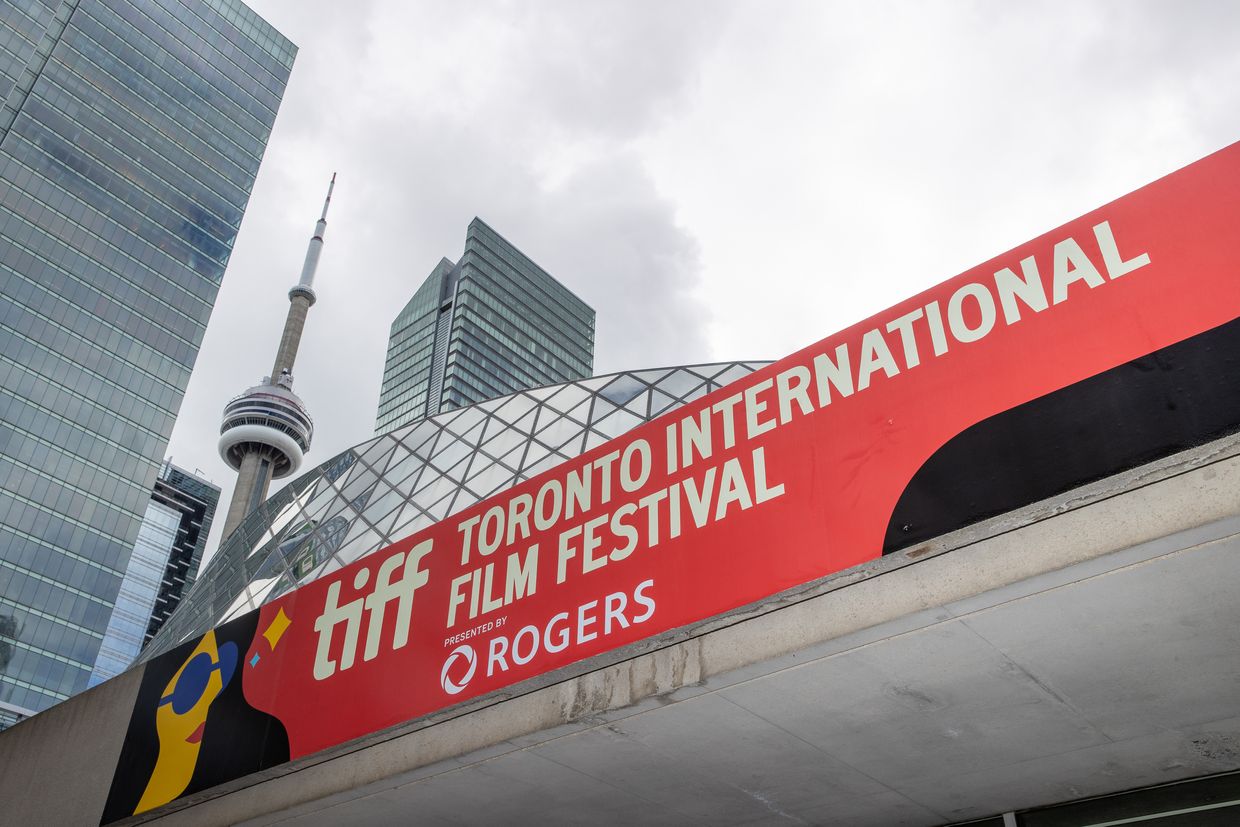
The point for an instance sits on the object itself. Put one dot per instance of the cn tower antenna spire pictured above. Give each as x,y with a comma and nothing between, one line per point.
316,241
267,430
286,354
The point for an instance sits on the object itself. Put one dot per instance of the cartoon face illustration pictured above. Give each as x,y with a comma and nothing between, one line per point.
181,718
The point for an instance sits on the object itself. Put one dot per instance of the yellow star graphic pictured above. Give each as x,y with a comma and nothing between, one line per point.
276,628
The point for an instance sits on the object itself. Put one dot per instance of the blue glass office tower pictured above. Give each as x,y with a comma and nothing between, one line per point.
130,135
490,324
164,563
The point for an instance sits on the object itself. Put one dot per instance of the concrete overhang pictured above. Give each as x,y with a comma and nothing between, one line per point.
1078,647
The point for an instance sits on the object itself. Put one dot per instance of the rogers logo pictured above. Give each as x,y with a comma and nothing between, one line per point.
466,652
591,620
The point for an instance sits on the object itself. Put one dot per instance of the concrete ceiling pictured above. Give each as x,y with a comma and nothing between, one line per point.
1115,673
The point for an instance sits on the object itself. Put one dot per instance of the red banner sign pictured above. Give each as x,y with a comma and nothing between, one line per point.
787,475
783,477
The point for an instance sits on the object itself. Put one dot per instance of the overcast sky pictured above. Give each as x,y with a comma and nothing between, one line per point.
718,180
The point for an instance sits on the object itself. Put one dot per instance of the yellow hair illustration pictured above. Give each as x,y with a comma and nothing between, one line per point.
181,718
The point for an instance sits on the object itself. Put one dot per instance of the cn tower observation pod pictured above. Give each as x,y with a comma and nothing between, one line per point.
270,420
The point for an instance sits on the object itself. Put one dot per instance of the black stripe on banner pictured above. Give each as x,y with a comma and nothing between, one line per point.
1174,398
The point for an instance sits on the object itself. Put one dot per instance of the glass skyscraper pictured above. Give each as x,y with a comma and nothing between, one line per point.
490,324
194,500
130,135
122,640
163,565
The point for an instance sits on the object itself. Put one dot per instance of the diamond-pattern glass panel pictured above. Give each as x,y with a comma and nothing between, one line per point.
623,388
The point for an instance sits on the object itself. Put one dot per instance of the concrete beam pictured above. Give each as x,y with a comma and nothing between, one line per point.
56,767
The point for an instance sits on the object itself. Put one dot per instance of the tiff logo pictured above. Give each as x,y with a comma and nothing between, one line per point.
385,591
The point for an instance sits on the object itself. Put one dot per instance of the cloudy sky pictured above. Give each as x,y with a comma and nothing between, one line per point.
720,180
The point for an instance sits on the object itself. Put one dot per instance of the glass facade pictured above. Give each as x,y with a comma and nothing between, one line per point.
130,135
490,324
407,479
195,500
122,640
170,543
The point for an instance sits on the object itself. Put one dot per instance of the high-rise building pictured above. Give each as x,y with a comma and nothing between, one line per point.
490,324
131,132
164,563
194,499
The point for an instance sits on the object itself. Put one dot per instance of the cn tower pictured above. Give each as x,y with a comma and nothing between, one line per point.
266,431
